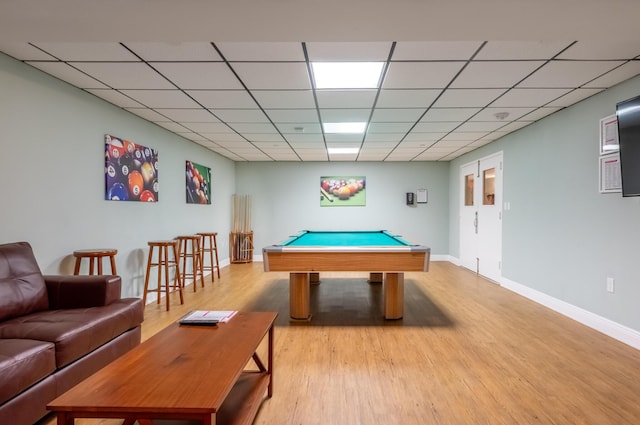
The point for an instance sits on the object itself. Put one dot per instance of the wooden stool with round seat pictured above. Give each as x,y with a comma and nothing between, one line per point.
189,248
95,256
163,263
210,245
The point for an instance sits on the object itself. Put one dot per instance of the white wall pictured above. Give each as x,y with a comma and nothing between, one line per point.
52,177
561,237
286,199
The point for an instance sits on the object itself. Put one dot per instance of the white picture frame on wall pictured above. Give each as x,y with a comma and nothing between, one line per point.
421,196
609,141
610,175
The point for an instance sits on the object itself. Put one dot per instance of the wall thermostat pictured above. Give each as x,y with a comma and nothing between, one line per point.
411,199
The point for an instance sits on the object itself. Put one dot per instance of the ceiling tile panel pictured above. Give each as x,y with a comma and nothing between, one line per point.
161,98
497,74
198,75
188,115
175,52
521,50
309,130
300,138
615,76
346,98
540,113
115,97
424,136
292,115
345,115
384,137
208,127
24,51
126,75
437,127
345,51
284,99
449,114
602,50
407,98
231,99
521,98
574,96
467,98
241,115
389,127
262,52
495,114
425,75
473,126
69,74
266,137
148,114
397,114
435,50
79,51
276,75
568,73
253,128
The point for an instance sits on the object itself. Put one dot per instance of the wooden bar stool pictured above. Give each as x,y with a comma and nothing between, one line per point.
95,256
189,248
163,262
210,245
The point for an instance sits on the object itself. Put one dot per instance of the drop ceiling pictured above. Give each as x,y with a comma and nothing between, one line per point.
255,100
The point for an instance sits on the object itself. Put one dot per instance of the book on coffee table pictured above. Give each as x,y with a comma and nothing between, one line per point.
207,317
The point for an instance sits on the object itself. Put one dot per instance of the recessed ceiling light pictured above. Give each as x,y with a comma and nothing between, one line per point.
347,75
342,150
344,127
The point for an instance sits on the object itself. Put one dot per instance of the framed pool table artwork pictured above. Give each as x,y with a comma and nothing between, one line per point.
130,171
343,191
198,183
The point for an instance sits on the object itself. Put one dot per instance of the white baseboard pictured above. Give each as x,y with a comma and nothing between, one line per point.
601,324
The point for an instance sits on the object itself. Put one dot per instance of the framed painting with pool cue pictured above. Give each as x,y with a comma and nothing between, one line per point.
343,191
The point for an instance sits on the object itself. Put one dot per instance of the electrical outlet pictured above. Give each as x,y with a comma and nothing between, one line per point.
610,284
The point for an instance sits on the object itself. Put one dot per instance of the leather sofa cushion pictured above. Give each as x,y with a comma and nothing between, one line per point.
76,332
22,287
24,362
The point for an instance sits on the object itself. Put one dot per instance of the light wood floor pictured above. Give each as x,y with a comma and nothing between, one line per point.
466,352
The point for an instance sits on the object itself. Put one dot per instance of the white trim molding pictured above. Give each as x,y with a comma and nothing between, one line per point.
608,327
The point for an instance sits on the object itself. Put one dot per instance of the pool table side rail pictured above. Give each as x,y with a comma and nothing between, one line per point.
366,259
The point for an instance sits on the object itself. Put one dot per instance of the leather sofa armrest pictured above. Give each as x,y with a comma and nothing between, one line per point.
70,291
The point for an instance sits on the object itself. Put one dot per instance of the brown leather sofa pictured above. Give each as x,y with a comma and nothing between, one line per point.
55,331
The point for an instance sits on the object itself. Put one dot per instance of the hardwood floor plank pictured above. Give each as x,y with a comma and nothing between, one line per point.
466,352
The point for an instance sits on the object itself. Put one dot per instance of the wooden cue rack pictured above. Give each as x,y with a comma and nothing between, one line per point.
241,245
241,236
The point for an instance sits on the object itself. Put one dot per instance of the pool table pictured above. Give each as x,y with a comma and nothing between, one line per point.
379,252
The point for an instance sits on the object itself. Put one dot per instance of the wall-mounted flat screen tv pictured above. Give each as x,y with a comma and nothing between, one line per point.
628,115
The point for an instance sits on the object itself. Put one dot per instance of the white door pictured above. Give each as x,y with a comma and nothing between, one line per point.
481,216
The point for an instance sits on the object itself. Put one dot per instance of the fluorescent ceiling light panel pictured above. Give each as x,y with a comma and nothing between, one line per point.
344,127
347,75
342,150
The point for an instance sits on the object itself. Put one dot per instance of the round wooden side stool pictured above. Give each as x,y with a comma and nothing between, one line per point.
163,262
95,256
189,248
210,245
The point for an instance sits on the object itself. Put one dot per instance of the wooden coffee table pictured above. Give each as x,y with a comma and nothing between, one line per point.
211,375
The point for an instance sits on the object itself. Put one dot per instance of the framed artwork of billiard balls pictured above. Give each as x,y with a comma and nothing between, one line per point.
343,191
130,171
198,183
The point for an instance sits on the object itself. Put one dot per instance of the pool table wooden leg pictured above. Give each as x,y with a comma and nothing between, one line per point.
393,295
299,296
